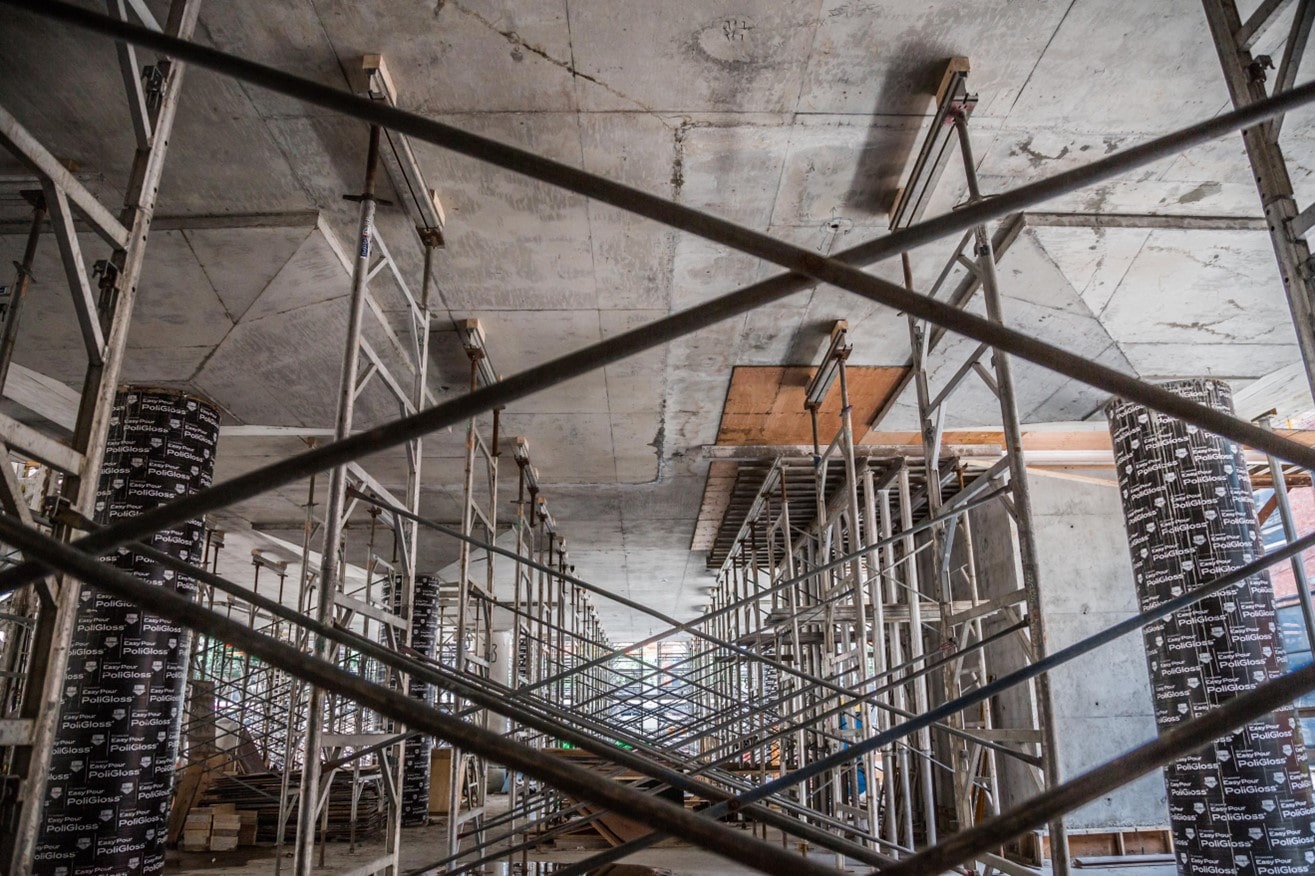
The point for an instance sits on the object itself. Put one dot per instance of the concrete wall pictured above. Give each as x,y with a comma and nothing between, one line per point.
1102,700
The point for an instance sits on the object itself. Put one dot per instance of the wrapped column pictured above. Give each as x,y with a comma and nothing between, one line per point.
415,754
111,772
500,673
1242,804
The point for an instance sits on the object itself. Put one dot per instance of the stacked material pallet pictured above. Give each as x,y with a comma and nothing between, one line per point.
196,831
219,828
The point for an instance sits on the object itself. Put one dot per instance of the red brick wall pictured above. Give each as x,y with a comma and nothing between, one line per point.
1302,500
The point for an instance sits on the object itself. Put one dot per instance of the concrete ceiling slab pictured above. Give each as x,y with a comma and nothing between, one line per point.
702,271
886,57
733,171
1096,74
261,254
475,56
785,117
844,166
751,58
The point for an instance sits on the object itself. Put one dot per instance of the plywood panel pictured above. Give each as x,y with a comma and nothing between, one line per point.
765,404
716,496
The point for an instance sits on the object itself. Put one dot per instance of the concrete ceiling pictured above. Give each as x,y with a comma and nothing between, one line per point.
797,119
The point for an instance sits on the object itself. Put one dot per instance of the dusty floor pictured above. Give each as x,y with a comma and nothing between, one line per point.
423,846
426,845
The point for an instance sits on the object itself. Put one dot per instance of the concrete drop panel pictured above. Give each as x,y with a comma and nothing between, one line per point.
1093,260
312,275
241,262
176,303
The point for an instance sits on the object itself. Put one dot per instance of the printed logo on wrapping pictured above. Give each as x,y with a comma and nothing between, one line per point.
1191,518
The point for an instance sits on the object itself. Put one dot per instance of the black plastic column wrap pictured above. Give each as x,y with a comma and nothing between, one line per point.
114,755
1241,804
415,756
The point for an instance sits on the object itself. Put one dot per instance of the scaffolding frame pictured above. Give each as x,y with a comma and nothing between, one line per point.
79,561
104,303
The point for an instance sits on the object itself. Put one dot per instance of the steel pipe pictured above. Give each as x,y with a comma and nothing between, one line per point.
981,694
441,676
1168,747
413,714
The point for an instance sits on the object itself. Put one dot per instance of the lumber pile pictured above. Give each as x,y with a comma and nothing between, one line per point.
609,829
259,793
221,828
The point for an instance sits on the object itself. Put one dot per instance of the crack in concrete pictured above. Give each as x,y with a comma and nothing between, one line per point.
1041,56
1207,327
519,42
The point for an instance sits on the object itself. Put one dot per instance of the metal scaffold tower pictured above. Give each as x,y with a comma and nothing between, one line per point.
829,582
1247,77
841,689
954,106
104,302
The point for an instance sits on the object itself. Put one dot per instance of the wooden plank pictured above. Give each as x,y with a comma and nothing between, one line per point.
192,786
765,404
43,395
41,446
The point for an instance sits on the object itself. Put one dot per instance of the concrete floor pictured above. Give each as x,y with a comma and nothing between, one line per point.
424,845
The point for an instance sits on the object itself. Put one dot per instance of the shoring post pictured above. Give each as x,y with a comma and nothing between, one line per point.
899,793
330,568
921,699
1022,517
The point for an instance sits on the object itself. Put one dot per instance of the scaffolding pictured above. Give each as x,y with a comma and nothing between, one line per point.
839,687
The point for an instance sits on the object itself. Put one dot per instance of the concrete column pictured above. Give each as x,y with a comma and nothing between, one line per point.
1242,804
111,773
